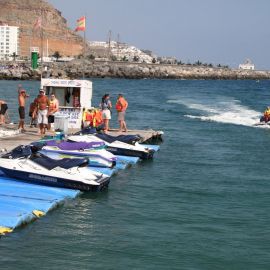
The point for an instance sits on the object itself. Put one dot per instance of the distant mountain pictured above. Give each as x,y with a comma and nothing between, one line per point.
25,13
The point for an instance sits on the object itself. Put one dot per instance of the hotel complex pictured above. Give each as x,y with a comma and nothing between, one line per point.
9,41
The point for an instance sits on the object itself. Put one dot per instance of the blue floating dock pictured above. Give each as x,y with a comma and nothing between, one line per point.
21,202
128,160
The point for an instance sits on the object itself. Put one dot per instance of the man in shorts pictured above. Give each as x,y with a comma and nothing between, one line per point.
22,96
121,107
41,109
3,109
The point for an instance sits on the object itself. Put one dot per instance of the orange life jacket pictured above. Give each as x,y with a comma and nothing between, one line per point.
52,105
121,104
98,120
89,116
267,113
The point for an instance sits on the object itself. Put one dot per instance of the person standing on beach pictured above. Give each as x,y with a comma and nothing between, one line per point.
53,108
106,106
3,109
22,96
121,107
41,109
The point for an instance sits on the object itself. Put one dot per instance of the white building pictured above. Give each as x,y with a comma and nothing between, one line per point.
9,41
247,65
121,51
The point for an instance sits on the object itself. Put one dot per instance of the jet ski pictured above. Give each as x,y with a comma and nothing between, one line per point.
117,147
130,139
265,119
24,164
97,155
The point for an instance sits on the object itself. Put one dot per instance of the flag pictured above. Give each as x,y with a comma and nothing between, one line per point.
38,23
80,24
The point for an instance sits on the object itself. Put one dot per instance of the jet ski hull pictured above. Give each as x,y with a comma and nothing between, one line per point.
51,178
118,148
130,152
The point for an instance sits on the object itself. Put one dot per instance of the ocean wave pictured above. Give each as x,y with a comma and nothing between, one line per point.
222,110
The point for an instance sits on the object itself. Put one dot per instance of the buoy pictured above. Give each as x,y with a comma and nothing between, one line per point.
38,213
4,230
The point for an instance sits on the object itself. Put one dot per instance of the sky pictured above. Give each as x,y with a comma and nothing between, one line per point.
212,31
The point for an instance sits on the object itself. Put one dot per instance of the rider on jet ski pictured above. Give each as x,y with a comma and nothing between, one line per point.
266,116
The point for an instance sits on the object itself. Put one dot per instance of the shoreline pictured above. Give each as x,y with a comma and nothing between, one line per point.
105,69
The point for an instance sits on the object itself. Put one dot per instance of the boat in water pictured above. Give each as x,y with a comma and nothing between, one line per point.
33,167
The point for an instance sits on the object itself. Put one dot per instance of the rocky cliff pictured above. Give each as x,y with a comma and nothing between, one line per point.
24,14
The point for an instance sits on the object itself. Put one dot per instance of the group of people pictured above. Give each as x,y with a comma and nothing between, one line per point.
120,106
100,118
41,110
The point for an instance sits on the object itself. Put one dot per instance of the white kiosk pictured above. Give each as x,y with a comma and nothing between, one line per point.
73,97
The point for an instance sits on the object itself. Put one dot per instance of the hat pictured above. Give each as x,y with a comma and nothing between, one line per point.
41,90
22,91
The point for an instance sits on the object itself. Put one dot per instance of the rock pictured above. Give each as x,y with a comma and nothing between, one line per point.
24,14
129,70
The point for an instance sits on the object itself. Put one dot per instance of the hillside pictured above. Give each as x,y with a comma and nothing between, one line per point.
24,14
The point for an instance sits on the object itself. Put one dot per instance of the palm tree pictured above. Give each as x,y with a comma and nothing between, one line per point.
91,57
14,56
198,63
56,55
113,58
180,62
136,58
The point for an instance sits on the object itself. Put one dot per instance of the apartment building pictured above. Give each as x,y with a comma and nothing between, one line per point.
9,42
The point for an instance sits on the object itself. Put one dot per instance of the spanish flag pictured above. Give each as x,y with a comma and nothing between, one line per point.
80,24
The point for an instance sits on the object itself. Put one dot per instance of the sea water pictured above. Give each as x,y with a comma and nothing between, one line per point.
202,203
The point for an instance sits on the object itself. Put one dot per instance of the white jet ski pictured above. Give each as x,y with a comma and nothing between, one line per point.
117,147
38,168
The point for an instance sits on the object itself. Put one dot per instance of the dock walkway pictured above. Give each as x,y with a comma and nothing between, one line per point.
32,135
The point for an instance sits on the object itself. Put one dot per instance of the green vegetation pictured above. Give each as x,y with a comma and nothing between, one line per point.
56,55
91,57
14,56
136,59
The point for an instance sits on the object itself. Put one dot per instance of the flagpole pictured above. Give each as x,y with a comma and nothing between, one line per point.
84,48
42,41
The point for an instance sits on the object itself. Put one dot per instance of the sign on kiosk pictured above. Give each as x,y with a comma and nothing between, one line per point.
73,97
